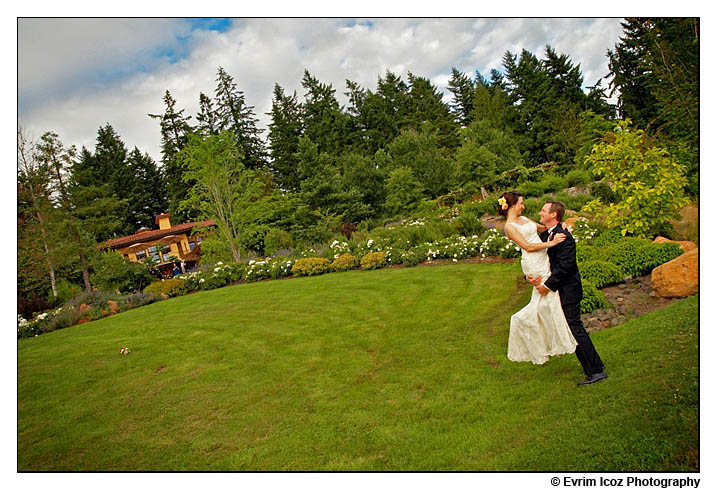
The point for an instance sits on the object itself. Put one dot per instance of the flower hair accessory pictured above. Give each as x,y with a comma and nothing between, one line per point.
502,202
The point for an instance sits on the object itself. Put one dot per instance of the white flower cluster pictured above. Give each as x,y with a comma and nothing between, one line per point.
582,231
269,268
339,248
415,222
496,244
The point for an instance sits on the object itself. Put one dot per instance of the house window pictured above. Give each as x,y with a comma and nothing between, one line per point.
165,253
154,254
191,246
140,255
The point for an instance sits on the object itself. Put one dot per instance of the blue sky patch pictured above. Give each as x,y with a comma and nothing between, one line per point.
211,23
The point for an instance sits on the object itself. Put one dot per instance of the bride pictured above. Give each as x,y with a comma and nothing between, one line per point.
539,330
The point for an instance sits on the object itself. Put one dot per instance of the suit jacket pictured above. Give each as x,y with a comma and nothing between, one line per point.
564,271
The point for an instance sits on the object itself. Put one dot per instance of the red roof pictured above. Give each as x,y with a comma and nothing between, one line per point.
149,235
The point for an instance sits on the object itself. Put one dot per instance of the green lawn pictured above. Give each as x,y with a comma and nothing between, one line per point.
396,369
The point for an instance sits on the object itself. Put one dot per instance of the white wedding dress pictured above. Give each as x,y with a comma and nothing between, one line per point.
539,330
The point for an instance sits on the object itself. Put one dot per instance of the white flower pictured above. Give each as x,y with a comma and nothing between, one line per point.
219,263
217,269
201,280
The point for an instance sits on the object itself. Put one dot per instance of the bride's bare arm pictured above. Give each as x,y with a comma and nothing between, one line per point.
514,235
540,227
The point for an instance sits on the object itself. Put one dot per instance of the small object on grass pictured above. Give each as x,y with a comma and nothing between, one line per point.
125,351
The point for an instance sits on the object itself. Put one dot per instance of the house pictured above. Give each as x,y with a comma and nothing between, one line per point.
167,246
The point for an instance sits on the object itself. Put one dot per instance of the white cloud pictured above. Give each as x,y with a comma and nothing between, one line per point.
57,53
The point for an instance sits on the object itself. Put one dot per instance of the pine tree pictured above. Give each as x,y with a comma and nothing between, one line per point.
284,132
427,107
175,131
324,122
462,88
207,117
234,115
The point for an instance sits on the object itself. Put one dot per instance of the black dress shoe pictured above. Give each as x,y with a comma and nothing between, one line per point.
592,379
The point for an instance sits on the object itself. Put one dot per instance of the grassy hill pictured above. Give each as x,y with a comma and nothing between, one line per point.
396,369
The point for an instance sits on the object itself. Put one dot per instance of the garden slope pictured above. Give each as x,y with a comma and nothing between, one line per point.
397,369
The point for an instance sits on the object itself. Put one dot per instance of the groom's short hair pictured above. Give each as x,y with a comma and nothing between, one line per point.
557,208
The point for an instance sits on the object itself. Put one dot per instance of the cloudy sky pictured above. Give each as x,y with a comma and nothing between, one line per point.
75,75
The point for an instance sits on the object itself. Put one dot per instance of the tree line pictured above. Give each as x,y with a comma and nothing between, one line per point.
322,165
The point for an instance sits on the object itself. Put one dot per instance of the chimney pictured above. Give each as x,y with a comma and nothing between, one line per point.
163,220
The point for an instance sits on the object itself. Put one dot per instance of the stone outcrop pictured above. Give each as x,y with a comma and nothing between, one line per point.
686,228
677,278
686,245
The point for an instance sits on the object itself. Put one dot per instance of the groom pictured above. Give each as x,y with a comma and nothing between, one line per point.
566,279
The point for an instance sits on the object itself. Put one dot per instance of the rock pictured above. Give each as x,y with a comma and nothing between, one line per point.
686,245
84,308
677,278
113,306
628,279
619,299
496,222
686,228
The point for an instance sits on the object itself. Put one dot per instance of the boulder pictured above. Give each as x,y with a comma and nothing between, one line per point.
113,306
677,278
686,228
686,245
497,222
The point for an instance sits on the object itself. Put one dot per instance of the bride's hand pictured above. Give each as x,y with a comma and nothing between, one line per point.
557,239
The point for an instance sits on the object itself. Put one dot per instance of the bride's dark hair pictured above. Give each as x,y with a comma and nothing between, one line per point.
511,197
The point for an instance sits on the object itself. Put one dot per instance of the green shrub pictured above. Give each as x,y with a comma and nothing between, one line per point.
171,287
593,298
659,253
373,260
276,240
578,177
414,256
585,252
530,189
311,266
66,290
113,272
601,190
552,184
628,254
345,262
607,237
600,273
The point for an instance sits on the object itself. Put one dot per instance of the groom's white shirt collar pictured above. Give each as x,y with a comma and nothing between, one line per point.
550,231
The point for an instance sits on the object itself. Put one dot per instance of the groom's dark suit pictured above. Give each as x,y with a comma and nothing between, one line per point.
566,279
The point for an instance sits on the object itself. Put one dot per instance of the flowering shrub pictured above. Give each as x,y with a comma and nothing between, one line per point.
373,260
583,231
338,248
311,266
216,276
88,306
171,287
345,262
496,244
269,268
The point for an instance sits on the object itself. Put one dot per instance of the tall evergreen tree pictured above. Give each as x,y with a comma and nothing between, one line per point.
285,129
207,123
234,115
147,193
462,88
325,124
175,131
427,107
